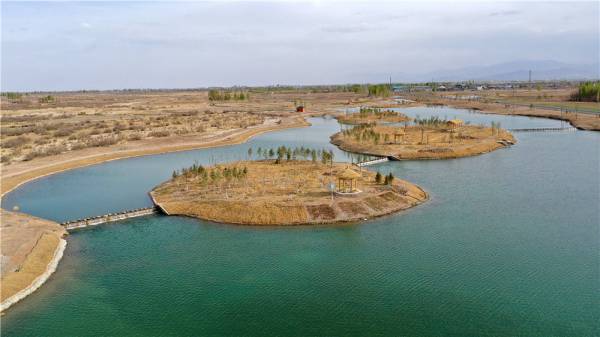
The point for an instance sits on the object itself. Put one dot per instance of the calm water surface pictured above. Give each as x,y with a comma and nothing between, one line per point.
507,245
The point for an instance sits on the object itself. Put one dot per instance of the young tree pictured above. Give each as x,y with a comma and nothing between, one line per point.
389,179
378,178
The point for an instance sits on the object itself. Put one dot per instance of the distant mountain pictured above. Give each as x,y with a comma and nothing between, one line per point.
508,71
517,70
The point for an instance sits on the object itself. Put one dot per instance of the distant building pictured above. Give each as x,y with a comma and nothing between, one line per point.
420,88
400,88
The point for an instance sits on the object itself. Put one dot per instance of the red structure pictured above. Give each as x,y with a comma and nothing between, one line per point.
300,108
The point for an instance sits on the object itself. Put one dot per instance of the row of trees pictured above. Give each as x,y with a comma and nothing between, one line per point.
282,153
377,112
587,92
365,133
432,122
386,180
380,90
495,128
12,95
212,174
220,95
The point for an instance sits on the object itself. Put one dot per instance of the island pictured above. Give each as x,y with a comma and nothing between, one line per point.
430,138
288,192
367,115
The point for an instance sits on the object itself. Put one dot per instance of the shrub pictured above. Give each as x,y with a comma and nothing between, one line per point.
134,136
102,141
63,131
5,159
159,134
46,99
15,142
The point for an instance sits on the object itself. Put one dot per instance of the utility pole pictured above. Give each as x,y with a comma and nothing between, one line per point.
529,79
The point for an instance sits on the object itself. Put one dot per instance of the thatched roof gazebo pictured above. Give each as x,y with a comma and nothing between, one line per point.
398,134
455,123
348,181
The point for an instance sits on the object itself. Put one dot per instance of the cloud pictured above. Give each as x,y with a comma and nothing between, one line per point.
346,29
505,13
86,25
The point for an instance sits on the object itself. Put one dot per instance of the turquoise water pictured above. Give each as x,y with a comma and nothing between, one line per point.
507,245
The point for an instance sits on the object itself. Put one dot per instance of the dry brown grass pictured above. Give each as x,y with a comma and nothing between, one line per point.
293,192
28,245
75,121
426,142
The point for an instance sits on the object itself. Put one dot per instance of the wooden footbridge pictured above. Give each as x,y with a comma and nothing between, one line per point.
568,128
110,217
373,161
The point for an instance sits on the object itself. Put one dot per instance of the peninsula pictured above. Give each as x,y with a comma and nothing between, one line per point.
284,192
31,250
427,139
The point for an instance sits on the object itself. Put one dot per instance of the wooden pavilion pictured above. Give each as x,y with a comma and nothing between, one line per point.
348,181
398,136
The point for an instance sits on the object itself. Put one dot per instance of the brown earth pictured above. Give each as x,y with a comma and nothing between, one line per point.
290,193
423,143
28,245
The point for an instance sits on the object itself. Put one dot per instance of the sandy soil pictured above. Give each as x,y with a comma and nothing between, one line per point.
432,143
28,247
290,193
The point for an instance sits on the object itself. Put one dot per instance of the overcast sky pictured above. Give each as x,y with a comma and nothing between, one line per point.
108,45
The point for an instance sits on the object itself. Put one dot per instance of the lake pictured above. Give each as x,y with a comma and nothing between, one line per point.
507,245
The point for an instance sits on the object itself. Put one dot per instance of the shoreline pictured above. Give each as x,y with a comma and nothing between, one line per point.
39,280
476,142
308,224
343,148
18,179
589,122
284,204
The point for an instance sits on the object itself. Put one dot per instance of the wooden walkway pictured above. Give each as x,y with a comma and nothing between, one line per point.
97,220
543,129
372,162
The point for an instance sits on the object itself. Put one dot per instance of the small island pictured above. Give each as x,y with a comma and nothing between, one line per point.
284,192
430,138
373,115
